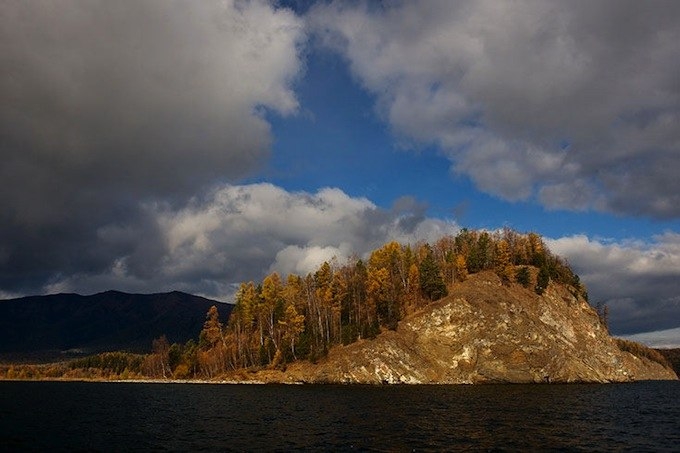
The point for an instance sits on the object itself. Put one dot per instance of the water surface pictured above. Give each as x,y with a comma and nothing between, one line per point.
181,417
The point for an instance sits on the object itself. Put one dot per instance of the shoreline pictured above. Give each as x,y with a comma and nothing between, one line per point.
154,381
261,382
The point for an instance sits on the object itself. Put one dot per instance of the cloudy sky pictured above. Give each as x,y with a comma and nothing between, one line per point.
152,145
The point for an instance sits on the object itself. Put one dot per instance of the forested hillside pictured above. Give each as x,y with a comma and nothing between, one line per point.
280,320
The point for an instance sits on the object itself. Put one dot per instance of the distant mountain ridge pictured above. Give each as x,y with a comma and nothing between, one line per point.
111,320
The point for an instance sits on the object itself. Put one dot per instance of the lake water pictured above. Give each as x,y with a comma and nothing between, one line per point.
49,416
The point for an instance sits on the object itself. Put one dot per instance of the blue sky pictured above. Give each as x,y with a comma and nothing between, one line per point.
194,145
338,140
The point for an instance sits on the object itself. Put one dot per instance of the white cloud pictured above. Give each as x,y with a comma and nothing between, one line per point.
576,104
242,232
303,260
669,338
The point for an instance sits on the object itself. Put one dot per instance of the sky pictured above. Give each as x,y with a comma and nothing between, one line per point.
155,145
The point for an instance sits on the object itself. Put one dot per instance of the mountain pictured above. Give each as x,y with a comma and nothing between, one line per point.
485,332
42,326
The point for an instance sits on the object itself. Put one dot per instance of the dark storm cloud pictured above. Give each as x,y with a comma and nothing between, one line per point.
108,104
574,103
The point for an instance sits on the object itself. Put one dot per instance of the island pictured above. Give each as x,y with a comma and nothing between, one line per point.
478,307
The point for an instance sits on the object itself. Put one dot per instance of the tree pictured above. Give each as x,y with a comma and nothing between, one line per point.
431,282
377,291
157,364
523,277
461,268
291,326
174,356
465,241
323,283
542,280
603,314
242,325
272,303
446,249
413,288
189,360
391,262
503,265
537,250
212,329
366,313
212,354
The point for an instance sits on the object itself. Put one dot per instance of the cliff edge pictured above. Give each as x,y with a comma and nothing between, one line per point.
484,332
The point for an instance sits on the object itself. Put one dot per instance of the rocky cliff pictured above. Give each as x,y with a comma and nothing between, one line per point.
485,332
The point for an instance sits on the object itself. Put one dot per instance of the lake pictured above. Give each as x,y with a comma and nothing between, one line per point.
49,416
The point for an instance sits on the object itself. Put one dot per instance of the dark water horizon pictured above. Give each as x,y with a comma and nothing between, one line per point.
98,416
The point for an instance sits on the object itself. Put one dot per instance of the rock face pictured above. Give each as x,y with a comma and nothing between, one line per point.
487,332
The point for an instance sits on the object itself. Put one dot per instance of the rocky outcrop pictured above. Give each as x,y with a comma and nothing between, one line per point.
486,332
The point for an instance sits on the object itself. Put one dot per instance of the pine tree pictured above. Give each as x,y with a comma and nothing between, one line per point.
431,282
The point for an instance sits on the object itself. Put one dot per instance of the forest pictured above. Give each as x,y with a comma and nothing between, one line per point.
281,320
